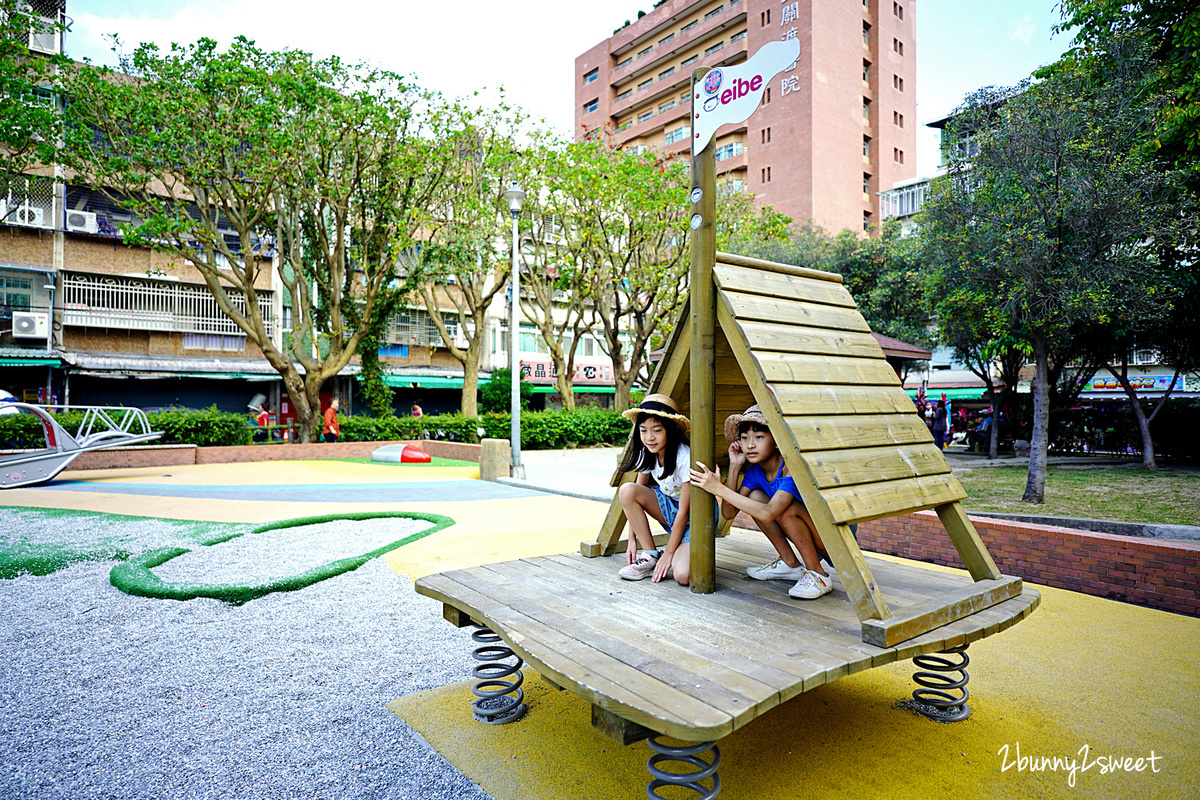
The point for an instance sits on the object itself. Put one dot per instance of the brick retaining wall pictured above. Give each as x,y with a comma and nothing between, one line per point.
171,455
1148,572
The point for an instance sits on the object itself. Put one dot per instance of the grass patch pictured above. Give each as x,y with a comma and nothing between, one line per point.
136,578
1124,494
434,461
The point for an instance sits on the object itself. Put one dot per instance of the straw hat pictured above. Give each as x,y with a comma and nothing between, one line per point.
752,414
660,406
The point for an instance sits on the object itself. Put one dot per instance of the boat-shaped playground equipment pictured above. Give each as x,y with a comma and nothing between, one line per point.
101,427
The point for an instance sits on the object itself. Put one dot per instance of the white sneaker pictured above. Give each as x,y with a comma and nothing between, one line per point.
811,586
643,567
776,571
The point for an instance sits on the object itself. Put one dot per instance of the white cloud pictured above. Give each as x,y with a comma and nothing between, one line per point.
1023,30
527,47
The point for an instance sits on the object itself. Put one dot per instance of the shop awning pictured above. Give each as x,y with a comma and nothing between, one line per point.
30,362
424,381
954,393
577,389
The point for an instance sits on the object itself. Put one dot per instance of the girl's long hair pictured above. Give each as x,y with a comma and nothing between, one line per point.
643,460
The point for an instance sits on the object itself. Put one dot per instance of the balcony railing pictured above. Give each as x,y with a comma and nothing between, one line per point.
902,202
108,301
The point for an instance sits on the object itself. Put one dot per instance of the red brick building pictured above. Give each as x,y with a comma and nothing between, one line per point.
830,134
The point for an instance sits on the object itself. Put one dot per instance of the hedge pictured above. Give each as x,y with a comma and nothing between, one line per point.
540,430
208,427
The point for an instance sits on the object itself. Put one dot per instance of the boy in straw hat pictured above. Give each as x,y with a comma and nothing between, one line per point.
769,495
661,456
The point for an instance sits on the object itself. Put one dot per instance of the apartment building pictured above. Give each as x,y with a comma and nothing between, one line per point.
832,131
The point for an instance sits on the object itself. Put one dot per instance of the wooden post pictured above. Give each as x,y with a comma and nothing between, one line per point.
703,372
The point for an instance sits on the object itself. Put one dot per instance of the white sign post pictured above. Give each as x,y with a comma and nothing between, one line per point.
720,95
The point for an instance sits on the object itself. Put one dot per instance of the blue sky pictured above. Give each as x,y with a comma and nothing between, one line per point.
529,46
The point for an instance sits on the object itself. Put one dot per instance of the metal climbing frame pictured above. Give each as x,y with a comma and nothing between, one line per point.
101,427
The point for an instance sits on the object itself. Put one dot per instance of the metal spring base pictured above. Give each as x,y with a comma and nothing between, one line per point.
497,703
686,755
942,698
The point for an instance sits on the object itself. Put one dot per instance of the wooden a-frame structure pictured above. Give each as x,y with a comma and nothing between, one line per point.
792,340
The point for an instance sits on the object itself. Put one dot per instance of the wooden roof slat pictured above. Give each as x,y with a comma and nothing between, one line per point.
773,284
789,368
840,399
811,341
868,464
862,430
889,498
795,312
774,266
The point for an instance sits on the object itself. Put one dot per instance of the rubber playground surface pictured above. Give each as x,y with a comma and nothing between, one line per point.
1064,704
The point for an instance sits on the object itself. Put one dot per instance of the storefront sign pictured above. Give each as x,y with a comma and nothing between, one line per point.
730,94
546,372
1154,383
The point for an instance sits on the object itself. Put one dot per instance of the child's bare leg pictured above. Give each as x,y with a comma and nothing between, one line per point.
681,564
775,534
798,526
640,504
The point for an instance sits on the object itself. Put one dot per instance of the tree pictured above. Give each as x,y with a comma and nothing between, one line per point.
1050,219
463,263
244,160
30,125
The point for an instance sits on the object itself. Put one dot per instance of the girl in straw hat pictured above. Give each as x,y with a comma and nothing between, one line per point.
770,496
662,457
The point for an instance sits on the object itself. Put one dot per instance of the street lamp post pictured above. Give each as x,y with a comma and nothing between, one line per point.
516,469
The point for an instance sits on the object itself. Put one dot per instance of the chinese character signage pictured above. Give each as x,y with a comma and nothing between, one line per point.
730,94
546,372
1156,383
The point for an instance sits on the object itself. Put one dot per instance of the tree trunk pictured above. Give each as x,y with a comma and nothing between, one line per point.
623,384
1035,484
470,387
994,439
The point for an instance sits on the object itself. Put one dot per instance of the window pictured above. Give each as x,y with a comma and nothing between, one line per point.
666,38
714,12
645,52
213,341
591,76
645,83
714,48
866,183
897,119
764,19
624,63
737,36
666,73
766,174
687,62
645,115
667,106
867,221
766,135
678,135
866,34
591,106
866,110
767,96
897,155
689,26
866,72
625,94
898,10
729,151
17,293
898,46
898,83
866,147
622,126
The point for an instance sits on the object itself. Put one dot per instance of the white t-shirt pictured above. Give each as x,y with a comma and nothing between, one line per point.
671,484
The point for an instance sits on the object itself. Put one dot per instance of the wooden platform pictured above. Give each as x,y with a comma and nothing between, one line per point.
695,667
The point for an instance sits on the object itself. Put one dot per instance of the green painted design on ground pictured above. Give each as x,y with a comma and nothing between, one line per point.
136,578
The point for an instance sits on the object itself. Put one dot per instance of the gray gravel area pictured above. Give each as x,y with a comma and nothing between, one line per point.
103,695
292,550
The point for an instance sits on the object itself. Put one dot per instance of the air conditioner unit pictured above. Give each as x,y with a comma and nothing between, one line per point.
27,325
22,215
82,222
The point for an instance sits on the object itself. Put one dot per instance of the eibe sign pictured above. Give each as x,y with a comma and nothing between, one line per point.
731,94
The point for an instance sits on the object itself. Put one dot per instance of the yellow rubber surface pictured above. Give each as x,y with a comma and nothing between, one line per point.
1081,671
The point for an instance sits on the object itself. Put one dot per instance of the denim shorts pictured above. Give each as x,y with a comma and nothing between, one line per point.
669,507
